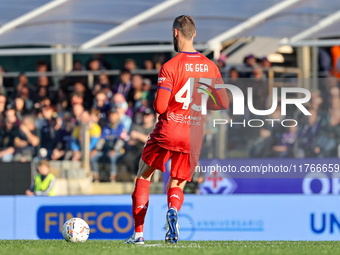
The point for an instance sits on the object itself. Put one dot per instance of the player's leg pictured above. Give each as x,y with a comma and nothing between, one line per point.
175,196
153,157
174,190
140,200
180,173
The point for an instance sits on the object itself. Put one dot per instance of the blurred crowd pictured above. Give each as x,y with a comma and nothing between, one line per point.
39,121
317,135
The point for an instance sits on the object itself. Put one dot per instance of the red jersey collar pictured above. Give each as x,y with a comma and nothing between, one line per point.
197,52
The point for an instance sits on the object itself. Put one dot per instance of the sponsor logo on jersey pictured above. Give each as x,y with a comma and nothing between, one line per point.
187,119
142,207
161,79
176,117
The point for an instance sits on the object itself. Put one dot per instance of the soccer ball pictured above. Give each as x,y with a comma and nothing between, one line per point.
76,230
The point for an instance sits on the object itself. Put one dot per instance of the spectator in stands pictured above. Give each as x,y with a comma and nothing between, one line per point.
77,138
78,66
62,103
78,110
316,101
110,144
125,84
233,74
25,95
44,181
67,83
257,73
130,64
63,148
335,52
147,93
265,63
260,89
138,137
135,93
10,114
49,128
119,98
5,82
26,140
329,137
42,92
102,103
250,61
103,85
7,136
95,115
123,118
222,62
77,98
3,101
147,84
159,60
148,64
82,90
262,147
324,63
285,146
23,83
44,102
308,134
44,81
234,80
95,65
41,66
19,106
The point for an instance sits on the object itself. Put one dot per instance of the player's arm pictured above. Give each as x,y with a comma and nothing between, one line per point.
222,100
164,88
162,100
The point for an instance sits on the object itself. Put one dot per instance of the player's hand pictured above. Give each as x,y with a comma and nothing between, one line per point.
29,193
112,153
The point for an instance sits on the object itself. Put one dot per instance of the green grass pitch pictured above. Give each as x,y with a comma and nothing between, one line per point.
55,247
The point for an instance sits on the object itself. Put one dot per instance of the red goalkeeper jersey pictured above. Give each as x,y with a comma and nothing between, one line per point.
180,127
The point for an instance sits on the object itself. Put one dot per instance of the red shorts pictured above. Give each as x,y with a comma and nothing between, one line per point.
182,164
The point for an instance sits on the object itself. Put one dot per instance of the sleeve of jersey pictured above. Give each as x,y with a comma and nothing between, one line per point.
164,89
164,80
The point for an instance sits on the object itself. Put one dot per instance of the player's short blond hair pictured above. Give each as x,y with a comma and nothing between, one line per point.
186,25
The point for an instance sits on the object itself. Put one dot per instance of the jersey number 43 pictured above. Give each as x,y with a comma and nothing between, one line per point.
185,94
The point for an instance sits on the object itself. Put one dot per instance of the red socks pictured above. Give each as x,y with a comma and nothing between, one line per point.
175,198
140,202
